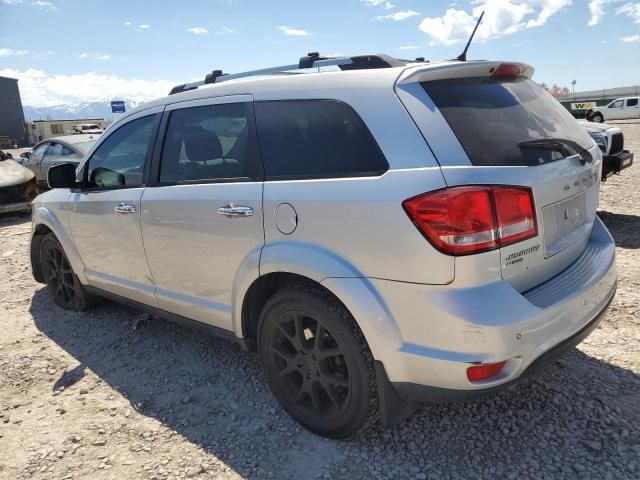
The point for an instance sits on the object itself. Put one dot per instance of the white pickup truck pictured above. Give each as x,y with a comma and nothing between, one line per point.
620,109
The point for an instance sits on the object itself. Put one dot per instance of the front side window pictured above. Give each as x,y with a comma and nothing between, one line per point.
119,161
39,150
209,143
616,104
632,102
315,139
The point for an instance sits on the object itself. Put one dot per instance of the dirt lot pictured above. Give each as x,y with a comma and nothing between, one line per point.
111,394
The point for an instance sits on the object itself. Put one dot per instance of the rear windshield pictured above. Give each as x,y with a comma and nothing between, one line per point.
504,122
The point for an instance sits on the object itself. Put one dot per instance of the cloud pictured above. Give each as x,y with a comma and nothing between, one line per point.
39,89
631,39
503,17
198,30
127,24
41,4
378,3
96,55
398,16
409,47
631,10
142,27
596,8
293,31
8,52
225,31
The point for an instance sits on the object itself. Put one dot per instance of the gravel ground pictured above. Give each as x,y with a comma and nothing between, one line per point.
113,394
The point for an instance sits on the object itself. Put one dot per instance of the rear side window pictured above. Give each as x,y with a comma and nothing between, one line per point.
632,102
210,143
315,139
508,122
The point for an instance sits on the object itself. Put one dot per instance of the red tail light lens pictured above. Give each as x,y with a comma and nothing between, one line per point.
465,220
508,70
484,371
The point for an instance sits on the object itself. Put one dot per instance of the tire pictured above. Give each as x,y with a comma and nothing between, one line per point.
317,362
64,286
597,117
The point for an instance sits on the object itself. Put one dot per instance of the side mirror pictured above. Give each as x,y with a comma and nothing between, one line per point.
25,155
62,176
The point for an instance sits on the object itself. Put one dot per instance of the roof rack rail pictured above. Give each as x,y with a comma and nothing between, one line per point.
311,60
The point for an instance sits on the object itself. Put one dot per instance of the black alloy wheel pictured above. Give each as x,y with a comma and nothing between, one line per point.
63,284
317,361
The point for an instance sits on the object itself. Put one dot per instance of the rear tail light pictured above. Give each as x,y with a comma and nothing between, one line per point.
473,219
484,371
508,70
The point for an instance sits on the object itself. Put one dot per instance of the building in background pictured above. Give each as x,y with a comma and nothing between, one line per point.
12,126
43,129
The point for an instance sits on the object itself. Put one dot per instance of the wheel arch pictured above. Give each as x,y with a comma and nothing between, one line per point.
46,221
284,263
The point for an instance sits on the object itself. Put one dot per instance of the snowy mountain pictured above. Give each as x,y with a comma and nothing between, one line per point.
76,111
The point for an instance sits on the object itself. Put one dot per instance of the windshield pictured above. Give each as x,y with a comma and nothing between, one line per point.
84,147
507,121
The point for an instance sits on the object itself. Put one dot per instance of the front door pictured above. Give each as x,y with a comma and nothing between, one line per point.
614,110
105,214
34,161
202,221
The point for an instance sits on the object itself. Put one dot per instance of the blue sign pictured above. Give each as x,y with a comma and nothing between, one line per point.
117,106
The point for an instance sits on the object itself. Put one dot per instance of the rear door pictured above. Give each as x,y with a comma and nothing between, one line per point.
631,108
202,216
508,131
56,154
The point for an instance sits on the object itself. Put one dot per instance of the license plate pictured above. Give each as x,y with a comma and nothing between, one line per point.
563,223
626,162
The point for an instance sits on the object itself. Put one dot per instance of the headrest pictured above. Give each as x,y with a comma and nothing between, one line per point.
201,145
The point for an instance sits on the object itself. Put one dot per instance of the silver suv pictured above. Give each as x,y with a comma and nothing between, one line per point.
381,232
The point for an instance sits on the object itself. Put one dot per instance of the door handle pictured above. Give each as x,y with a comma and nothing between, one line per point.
125,208
233,211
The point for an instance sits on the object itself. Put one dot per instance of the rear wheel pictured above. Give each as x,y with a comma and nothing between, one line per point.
317,362
63,284
597,117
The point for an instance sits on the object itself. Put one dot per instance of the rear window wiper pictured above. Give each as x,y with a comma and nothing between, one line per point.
568,148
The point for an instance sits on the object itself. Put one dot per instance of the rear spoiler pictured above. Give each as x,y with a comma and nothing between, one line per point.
458,69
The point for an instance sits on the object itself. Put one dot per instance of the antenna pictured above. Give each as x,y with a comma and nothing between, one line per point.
463,56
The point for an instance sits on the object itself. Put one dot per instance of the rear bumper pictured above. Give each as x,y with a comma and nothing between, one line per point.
445,330
612,164
416,392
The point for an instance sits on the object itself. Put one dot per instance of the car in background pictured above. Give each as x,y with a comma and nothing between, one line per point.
620,109
610,140
54,151
88,128
17,185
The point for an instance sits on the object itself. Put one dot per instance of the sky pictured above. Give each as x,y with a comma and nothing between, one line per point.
69,51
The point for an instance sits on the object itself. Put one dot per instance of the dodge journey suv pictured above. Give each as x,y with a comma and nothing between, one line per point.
381,232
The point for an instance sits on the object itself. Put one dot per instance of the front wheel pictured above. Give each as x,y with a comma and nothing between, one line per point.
597,117
317,362
64,286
